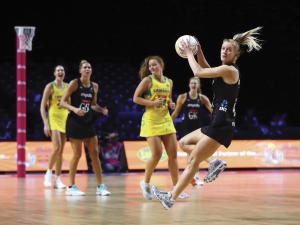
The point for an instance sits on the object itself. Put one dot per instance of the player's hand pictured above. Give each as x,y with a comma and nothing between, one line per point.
186,49
172,105
157,102
47,130
105,111
198,45
79,112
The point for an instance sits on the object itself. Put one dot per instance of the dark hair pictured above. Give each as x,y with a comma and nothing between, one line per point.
58,66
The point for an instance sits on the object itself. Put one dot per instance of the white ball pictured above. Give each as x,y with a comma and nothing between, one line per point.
189,40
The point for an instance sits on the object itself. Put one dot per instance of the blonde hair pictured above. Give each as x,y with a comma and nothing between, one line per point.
144,68
248,39
83,61
198,80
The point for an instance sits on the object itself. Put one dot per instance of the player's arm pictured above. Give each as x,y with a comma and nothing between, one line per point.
179,103
141,88
46,95
171,103
200,56
94,105
206,103
229,74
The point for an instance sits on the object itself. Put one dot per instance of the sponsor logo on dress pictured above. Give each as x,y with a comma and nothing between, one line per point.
86,95
224,105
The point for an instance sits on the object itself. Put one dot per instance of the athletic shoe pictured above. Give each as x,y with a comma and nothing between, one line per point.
165,198
183,195
58,183
74,191
214,169
48,179
102,190
196,181
146,189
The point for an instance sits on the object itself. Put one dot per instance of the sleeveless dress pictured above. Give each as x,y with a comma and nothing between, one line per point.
195,115
223,116
157,121
80,127
57,115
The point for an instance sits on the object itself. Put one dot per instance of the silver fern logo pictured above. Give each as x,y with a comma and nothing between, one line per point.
223,105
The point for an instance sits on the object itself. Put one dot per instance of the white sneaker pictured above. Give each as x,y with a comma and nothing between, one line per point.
74,191
102,190
48,179
58,183
183,195
146,190
198,180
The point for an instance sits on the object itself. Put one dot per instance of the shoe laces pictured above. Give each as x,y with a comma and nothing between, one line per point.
165,195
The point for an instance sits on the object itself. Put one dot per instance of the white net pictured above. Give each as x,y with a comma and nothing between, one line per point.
25,35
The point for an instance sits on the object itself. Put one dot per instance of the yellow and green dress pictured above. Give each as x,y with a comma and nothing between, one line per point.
157,121
57,115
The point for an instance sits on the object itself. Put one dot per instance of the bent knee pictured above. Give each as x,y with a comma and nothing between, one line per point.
94,153
156,156
57,149
181,143
172,155
77,156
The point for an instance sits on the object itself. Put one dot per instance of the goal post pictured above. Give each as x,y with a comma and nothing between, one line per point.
24,37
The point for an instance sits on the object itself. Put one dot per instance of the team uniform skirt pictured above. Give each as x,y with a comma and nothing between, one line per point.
150,128
79,130
222,135
57,121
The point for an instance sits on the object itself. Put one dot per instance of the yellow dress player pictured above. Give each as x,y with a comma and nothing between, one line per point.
56,114
154,92
156,120
55,124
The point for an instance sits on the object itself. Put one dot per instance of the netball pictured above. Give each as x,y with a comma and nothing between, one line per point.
188,39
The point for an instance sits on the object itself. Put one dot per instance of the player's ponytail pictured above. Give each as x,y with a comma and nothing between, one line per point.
247,39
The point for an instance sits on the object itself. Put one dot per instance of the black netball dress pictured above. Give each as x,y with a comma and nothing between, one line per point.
195,115
223,116
80,127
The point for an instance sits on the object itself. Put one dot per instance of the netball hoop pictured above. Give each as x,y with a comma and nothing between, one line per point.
25,36
24,42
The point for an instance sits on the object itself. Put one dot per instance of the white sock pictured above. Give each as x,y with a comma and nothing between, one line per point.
170,196
212,161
